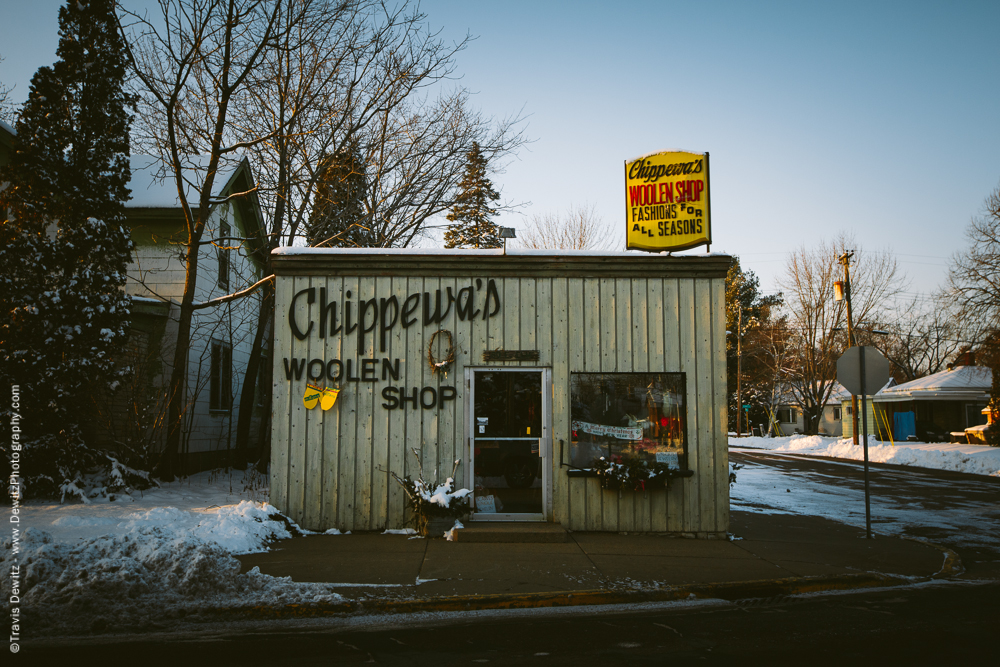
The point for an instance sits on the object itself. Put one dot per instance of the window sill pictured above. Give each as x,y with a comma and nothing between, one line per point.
587,472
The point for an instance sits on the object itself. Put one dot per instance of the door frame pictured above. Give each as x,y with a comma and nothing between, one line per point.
544,445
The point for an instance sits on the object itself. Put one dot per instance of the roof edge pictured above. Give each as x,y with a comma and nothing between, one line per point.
370,262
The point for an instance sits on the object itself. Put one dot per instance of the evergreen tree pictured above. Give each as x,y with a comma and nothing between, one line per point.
472,214
338,216
64,247
754,375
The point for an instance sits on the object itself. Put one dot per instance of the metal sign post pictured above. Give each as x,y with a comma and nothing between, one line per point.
864,426
857,369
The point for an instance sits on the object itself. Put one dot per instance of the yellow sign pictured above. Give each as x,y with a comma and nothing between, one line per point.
667,206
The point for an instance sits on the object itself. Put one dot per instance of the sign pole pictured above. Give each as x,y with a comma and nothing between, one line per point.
864,426
857,369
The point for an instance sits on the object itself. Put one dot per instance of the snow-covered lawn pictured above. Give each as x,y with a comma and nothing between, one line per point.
974,459
962,515
147,559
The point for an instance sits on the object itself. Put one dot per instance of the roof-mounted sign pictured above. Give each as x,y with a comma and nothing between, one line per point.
667,205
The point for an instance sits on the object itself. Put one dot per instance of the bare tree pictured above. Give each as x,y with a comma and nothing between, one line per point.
357,76
577,228
770,345
921,338
818,323
8,111
193,65
289,82
974,277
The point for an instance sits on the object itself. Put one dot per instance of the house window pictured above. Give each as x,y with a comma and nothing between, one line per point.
637,415
222,253
974,415
836,413
221,385
787,415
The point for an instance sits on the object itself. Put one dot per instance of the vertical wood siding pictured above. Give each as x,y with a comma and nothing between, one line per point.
331,469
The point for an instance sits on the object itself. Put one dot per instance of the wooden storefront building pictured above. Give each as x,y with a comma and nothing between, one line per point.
525,366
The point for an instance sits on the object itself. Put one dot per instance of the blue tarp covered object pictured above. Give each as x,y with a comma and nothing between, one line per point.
904,424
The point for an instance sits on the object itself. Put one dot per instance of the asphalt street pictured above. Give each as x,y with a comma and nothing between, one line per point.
957,510
935,624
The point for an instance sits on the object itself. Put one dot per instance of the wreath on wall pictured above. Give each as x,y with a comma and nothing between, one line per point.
449,356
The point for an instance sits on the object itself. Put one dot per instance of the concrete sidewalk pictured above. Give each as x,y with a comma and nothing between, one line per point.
769,555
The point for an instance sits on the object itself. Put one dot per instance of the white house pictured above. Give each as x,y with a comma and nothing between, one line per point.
789,417
221,337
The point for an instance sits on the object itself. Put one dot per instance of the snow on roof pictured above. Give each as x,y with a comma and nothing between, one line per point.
298,250
959,383
845,396
838,393
7,128
786,396
153,184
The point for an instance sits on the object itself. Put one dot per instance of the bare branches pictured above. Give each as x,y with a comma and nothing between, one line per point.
578,228
195,68
8,111
922,339
974,277
235,295
358,74
817,321
192,64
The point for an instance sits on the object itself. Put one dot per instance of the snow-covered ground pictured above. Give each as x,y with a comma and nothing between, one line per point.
961,516
974,459
143,560
166,553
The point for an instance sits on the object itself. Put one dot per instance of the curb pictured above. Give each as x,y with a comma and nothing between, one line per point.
768,588
952,566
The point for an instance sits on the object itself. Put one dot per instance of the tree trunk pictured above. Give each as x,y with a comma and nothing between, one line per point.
168,467
810,420
248,394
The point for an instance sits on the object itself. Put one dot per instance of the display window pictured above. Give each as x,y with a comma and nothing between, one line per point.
628,415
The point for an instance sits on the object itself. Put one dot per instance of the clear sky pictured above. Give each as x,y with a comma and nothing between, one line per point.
877,118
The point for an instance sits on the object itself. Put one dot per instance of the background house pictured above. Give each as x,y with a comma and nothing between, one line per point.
222,336
875,416
933,407
789,416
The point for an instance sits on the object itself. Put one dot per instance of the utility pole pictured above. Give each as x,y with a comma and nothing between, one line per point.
739,370
845,259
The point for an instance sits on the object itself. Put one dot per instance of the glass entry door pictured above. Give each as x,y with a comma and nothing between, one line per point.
509,444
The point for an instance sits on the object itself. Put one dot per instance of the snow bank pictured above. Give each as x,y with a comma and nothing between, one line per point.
150,559
139,580
973,459
244,528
